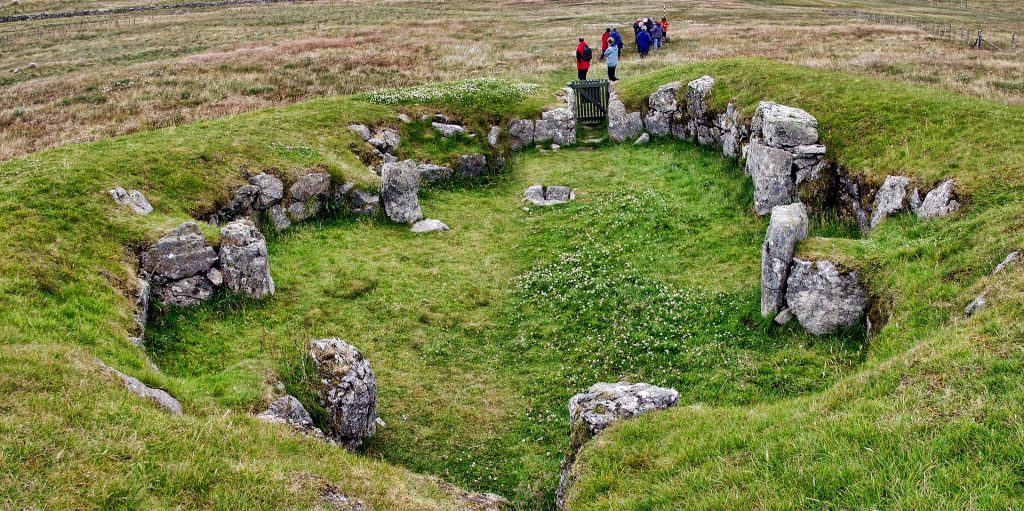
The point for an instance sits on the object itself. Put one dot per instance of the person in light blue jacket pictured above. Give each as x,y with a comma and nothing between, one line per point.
611,57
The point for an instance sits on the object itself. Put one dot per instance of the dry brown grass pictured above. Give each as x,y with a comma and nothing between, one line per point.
105,76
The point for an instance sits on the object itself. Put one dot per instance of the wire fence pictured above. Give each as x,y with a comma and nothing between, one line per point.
972,36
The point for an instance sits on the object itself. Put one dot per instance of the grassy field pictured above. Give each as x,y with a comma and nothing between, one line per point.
103,76
481,334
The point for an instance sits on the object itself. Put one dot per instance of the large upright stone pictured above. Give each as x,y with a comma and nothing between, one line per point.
782,126
347,389
244,262
698,110
823,298
661,108
182,253
771,171
399,191
890,199
602,405
939,202
788,227
622,125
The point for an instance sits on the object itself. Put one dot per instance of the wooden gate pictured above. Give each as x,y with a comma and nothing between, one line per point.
591,100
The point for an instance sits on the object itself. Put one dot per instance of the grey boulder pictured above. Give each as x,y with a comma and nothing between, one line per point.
271,190
400,187
429,225
602,405
939,202
557,126
133,199
472,165
244,261
623,125
347,389
823,298
522,133
539,195
771,171
182,253
448,130
788,227
309,186
289,411
184,292
361,130
642,139
890,199
494,136
782,126
431,173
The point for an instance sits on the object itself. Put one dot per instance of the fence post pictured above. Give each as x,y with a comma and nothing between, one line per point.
981,40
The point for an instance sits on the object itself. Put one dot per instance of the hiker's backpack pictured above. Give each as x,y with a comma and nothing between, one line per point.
588,54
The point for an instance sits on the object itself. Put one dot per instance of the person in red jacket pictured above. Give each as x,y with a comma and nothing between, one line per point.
583,56
604,40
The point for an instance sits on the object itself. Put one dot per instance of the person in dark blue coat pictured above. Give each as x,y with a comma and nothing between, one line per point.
643,42
617,38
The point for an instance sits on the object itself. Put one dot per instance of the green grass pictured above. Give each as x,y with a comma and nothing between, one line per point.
481,334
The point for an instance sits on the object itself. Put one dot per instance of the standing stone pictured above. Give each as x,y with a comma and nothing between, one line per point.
823,298
472,165
182,253
347,389
133,199
788,227
271,190
622,125
400,187
522,133
732,132
890,199
939,202
770,169
698,110
494,136
244,261
602,405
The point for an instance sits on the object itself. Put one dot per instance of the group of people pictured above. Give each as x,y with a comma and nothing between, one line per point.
649,34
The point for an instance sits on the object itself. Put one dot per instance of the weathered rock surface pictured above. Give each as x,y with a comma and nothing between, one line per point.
182,253
448,130
976,305
770,169
361,130
1011,259
289,410
472,165
244,261
661,107
347,389
602,405
431,173
429,225
698,112
622,125
939,202
733,132
363,203
184,292
240,203
385,141
557,126
160,397
134,199
309,186
643,139
788,227
271,190
782,126
890,199
399,191
548,196
279,217
522,133
823,298
141,311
